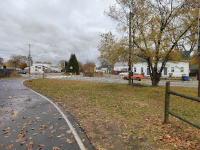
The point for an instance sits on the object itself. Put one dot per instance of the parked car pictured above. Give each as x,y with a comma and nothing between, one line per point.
136,76
21,72
123,73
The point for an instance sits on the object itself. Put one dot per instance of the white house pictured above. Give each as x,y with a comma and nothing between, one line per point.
173,69
44,67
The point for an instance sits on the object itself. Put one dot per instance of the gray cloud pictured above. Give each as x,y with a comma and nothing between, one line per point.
55,28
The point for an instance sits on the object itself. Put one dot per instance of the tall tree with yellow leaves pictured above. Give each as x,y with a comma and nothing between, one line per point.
159,27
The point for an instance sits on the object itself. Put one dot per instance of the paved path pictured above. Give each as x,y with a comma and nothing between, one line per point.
29,120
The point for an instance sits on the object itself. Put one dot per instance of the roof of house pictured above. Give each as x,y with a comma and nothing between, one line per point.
106,66
186,55
193,67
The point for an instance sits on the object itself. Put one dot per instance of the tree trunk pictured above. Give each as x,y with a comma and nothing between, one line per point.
155,78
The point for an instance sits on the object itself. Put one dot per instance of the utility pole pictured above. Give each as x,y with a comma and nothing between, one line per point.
130,47
29,59
131,13
199,53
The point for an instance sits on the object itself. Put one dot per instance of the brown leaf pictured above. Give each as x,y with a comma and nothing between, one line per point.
9,147
67,140
22,143
31,144
51,127
35,134
20,136
60,118
56,148
69,131
53,131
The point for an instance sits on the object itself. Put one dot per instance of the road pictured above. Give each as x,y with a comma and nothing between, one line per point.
113,79
31,121
118,79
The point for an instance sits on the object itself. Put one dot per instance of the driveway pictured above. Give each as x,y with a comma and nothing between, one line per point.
29,120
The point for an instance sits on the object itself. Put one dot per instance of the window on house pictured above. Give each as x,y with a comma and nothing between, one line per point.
182,69
158,69
135,69
124,69
142,69
172,69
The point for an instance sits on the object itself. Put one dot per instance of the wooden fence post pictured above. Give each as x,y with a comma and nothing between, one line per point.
167,97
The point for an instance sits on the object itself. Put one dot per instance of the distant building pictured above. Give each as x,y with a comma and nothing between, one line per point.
44,68
106,68
171,69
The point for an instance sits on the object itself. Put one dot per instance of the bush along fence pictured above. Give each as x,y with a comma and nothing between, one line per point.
6,72
167,100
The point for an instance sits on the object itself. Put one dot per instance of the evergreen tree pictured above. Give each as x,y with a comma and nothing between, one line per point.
73,66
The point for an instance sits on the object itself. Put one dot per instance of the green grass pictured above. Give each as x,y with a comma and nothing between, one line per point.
136,111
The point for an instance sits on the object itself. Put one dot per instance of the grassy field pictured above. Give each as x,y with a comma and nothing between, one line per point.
117,116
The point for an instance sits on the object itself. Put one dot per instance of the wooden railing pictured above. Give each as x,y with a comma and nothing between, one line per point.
167,100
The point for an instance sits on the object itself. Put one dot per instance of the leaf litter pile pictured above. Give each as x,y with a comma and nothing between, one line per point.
116,116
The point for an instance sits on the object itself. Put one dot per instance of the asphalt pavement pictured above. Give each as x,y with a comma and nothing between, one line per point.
118,79
29,120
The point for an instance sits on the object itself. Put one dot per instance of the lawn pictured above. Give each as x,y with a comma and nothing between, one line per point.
117,116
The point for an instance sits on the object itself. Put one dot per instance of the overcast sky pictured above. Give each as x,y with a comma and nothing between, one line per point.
54,28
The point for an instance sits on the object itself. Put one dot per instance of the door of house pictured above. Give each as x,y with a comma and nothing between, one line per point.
148,72
165,71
